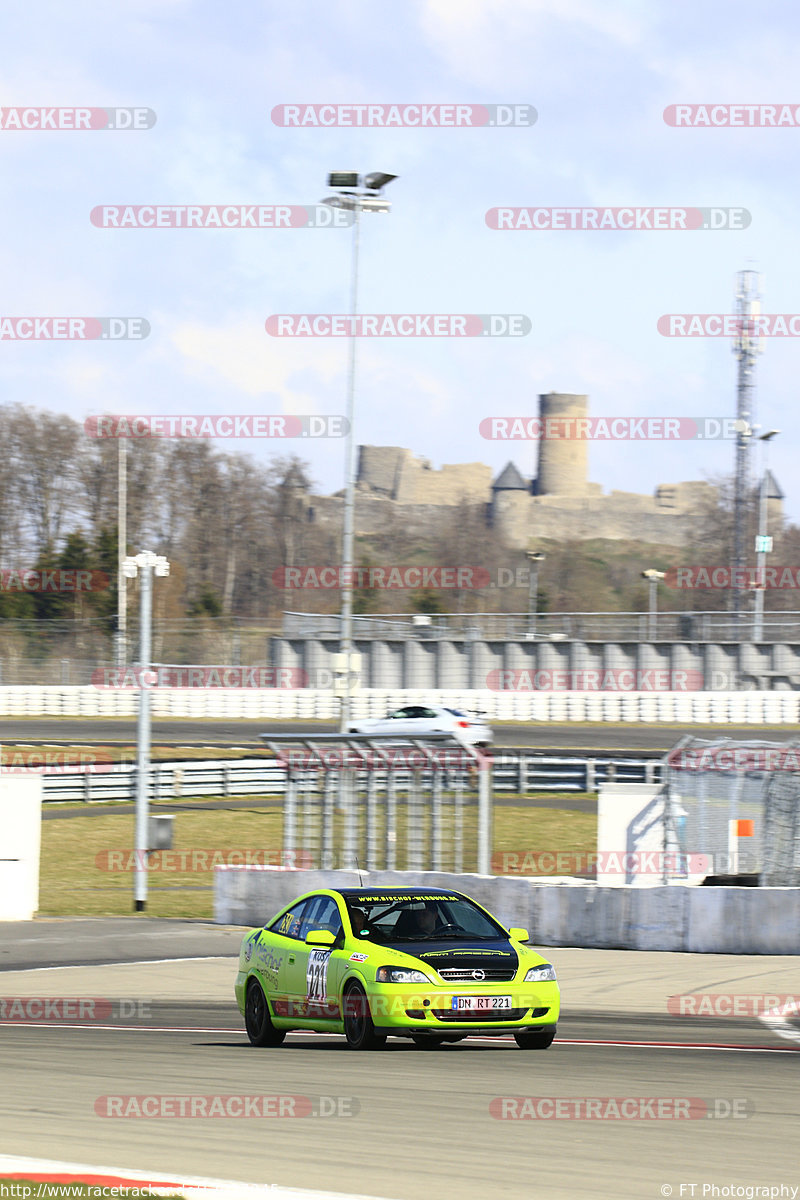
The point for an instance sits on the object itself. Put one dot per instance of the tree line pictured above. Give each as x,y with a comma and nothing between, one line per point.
228,523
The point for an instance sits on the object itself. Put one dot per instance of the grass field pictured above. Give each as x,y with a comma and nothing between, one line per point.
86,864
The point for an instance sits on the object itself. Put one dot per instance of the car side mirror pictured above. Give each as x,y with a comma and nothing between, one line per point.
320,937
519,935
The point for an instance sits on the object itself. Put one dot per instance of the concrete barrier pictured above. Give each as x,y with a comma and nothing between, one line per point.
700,920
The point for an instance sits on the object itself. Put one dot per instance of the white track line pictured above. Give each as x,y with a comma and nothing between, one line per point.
775,1020
137,962
729,1048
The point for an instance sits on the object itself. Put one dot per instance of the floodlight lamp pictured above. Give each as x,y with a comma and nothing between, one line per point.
377,180
343,179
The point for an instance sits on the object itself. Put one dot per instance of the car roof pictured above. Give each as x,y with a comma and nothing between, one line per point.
398,893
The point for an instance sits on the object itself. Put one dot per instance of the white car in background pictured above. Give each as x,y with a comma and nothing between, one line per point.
418,720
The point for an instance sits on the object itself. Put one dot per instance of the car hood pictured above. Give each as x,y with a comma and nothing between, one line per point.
464,955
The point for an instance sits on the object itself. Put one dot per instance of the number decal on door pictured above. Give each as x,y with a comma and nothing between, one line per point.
317,974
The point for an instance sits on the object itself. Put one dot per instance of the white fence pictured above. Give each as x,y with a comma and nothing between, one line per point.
681,708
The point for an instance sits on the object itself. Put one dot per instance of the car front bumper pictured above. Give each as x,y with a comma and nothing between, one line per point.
396,1007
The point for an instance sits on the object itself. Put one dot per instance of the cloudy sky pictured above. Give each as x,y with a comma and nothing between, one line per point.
598,72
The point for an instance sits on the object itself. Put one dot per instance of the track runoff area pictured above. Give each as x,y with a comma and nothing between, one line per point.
126,1065
128,1061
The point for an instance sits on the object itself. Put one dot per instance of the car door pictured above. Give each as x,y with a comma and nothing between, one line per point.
276,954
396,722
312,973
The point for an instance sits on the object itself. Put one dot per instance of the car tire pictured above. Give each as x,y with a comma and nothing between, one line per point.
257,1020
536,1039
357,1019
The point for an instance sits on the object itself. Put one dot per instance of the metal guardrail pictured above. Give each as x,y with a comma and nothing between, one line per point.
515,773
583,627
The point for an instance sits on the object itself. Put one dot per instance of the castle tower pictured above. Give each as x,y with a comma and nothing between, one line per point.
563,462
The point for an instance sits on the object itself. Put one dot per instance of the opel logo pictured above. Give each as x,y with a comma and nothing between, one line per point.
478,974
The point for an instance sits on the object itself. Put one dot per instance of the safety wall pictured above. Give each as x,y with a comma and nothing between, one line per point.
683,708
714,920
20,841
430,660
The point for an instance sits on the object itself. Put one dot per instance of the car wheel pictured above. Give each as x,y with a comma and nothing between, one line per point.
358,1027
257,1020
536,1039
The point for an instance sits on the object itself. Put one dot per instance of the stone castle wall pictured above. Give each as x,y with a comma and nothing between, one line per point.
395,473
397,489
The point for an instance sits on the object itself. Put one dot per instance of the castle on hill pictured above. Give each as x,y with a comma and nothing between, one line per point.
559,502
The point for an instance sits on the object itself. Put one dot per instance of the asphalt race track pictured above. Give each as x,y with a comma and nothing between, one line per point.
542,735
405,1123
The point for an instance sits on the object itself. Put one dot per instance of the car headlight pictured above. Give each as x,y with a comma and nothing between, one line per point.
541,974
400,975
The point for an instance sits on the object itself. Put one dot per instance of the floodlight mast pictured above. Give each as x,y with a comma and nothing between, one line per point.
746,346
357,202
144,565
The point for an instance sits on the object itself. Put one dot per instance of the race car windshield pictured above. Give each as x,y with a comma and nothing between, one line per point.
422,920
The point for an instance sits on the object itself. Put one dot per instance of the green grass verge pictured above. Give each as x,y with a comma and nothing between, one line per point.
86,860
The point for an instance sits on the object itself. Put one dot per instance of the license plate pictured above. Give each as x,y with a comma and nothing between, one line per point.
480,1003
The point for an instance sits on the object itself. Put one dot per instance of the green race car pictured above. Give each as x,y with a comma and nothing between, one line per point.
427,964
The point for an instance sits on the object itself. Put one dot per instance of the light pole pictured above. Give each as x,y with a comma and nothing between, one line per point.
122,538
368,200
652,576
534,557
746,346
763,543
145,563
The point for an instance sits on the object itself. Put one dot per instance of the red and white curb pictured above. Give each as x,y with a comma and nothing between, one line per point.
775,1019
159,1183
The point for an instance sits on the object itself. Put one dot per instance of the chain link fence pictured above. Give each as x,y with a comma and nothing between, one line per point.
734,805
